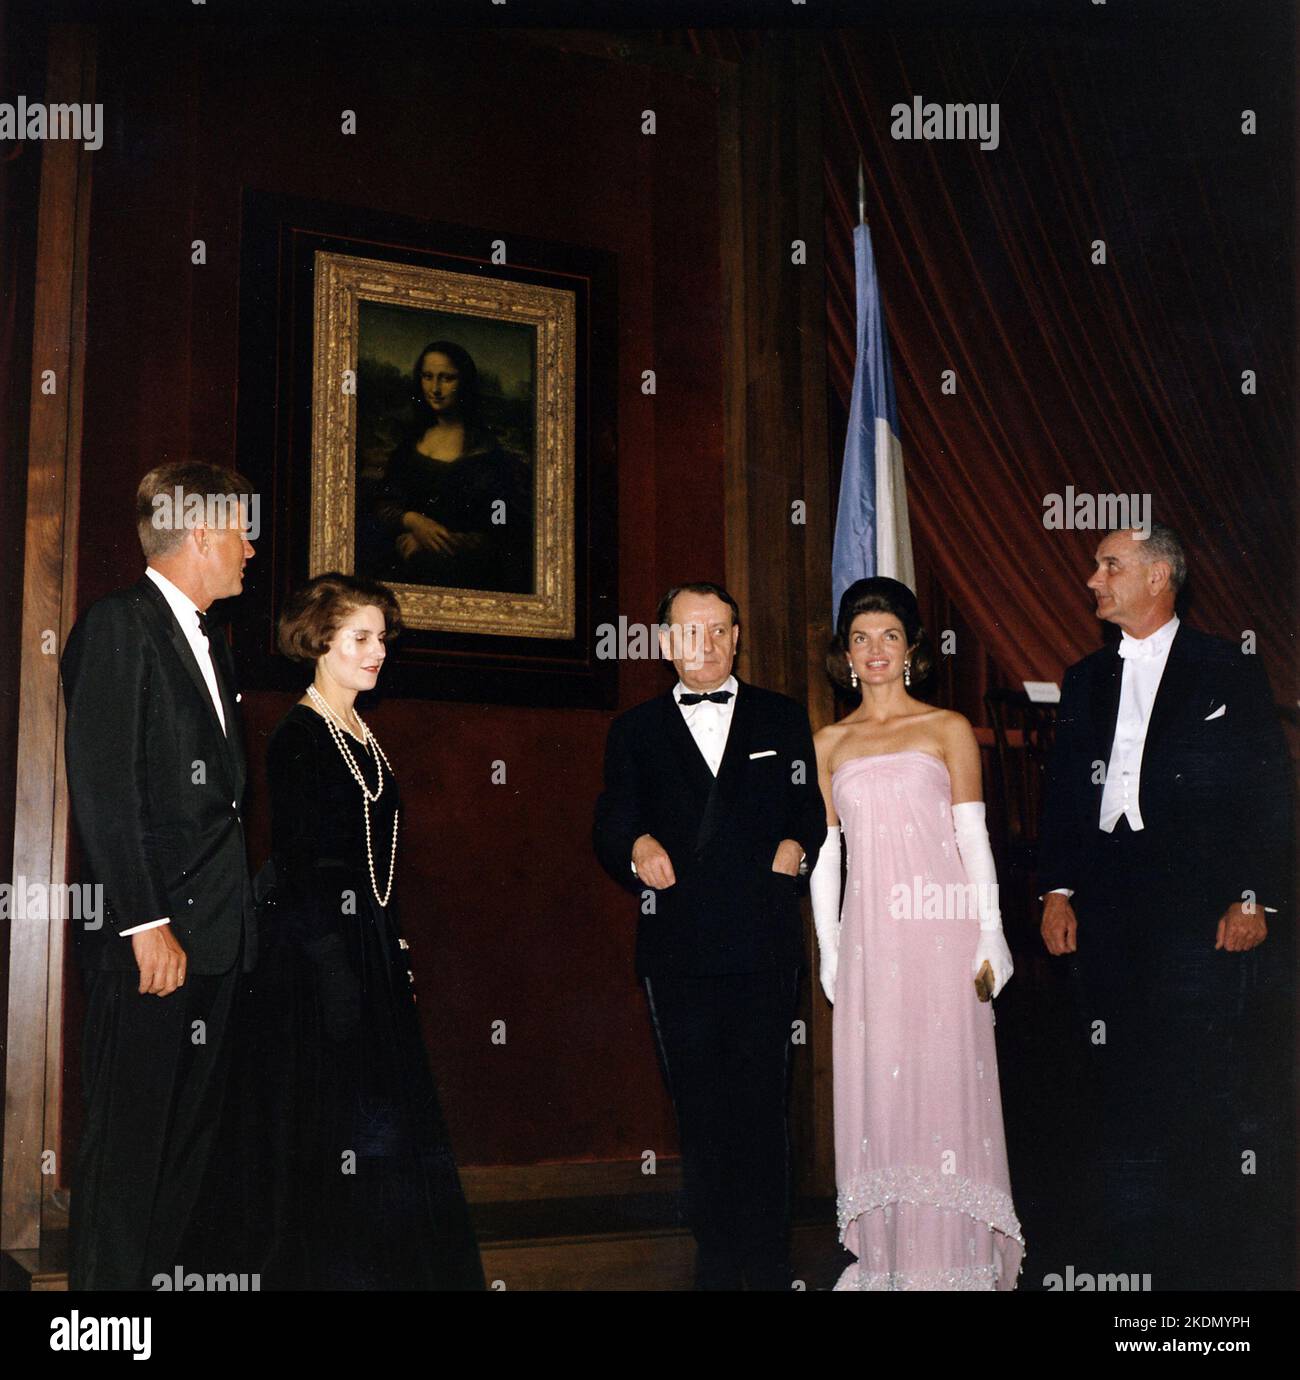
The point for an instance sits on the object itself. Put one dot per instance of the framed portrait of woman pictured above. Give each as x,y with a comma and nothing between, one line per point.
442,443
444,423
445,443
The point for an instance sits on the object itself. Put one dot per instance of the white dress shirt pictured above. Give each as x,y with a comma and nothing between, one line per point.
186,612
708,721
1144,664
187,615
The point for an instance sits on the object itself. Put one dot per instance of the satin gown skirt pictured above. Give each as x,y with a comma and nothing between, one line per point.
924,1196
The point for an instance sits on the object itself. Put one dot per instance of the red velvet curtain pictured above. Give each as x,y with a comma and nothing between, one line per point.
1122,378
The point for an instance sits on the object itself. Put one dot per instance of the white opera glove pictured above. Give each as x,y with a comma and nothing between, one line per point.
824,887
977,858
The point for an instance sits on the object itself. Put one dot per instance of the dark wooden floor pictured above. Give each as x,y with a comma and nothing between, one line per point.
630,1242
627,1243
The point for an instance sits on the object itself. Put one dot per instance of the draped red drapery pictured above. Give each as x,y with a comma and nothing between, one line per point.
1122,377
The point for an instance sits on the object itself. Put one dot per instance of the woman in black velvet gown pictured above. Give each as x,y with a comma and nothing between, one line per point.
362,1186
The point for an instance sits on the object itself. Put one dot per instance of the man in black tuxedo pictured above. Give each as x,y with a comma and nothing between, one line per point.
155,763
1163,846
710,805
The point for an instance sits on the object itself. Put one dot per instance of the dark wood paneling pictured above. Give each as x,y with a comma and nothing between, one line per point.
35,1011
778,568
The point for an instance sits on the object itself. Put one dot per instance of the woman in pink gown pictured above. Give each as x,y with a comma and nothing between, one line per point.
924,1196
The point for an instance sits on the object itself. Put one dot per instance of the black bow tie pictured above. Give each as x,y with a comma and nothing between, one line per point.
203,623
713,697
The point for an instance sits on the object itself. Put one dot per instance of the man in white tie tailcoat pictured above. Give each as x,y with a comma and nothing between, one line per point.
1163,866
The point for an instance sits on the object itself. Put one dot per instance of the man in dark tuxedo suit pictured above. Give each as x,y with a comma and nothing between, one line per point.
1163,847
156,770
710,805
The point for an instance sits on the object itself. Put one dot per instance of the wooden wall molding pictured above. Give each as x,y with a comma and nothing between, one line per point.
777,447
526,1183
34,1045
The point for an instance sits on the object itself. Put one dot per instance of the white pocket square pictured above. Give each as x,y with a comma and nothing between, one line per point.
1218,713
771,752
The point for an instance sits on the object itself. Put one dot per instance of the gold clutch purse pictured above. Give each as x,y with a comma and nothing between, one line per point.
984,981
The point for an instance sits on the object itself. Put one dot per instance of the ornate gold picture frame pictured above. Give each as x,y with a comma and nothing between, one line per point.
435,407
348,290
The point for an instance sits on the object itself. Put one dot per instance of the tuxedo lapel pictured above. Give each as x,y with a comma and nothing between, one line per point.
729,768
1106,683
742,718
167,624
1177,685
695,770
223,664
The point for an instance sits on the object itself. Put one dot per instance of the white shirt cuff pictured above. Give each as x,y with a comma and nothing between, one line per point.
148,925
1058,891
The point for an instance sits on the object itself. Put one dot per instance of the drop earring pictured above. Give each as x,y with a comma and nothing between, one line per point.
853,676
907,674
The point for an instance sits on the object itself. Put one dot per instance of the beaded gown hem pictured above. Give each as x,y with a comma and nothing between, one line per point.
985,1204
975,1279
927,1188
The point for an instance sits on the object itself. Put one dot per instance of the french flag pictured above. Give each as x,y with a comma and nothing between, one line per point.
871,531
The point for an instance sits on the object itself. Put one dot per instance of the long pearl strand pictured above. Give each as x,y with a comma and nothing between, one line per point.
337,727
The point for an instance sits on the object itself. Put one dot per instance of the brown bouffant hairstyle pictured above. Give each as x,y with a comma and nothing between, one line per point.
313,612
879,594
157,496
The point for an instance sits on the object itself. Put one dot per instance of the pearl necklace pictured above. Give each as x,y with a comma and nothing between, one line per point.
337,727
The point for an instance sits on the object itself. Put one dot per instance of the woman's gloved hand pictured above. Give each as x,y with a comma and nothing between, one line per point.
824,886
972,833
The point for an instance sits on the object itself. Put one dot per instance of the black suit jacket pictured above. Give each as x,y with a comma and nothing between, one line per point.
728,911
157,788
1215,785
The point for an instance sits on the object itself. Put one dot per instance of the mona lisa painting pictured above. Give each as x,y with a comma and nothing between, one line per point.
434,406
442,445
444,451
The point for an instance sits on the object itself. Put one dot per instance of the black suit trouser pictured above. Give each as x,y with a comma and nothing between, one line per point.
1165,1027
155,1072
725,1045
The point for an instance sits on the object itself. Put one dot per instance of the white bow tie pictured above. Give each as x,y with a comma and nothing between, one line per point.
1141,649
